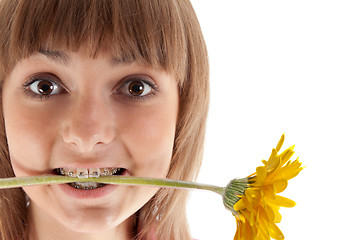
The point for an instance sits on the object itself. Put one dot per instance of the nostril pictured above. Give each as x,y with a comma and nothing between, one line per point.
86,144
86,135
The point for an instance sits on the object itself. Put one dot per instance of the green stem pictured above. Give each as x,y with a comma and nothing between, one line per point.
156,182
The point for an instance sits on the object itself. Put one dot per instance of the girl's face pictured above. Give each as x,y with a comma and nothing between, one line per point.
66,110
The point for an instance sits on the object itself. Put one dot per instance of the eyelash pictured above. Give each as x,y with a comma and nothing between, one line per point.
37,96
33,79
128,80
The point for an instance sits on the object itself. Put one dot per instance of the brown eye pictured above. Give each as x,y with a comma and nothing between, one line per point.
45,87
136,88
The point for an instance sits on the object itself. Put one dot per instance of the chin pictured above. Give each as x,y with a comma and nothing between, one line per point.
92,222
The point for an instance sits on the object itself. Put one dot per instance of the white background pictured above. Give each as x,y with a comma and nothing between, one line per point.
279,67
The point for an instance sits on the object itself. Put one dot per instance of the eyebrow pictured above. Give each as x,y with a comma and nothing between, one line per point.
63,58
115,61
57,56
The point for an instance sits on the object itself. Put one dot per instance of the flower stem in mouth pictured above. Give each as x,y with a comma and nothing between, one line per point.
57,179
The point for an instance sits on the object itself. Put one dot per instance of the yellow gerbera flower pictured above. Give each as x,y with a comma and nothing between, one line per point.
257,210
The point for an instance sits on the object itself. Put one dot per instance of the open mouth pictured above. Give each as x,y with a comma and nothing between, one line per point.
86,173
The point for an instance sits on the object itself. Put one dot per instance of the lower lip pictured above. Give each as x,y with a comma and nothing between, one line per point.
87,194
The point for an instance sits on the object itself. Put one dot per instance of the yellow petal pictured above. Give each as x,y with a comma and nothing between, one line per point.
241,218
282,202
270,212
291,169
239,205
253,192
280,185
286,155
275,232
277,215
247,200
280,143
274,161
263,227
237,233
248,232
261,174
268,191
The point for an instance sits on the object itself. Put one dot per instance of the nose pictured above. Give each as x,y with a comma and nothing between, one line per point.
89,124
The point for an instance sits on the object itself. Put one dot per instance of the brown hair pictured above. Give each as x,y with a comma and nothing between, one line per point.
161,33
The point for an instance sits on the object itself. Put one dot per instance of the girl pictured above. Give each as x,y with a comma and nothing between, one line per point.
93,88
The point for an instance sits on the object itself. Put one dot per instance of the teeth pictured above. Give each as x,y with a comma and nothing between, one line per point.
82,173
94,172
86,185
87,172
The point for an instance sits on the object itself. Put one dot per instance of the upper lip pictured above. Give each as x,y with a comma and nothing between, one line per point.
91,164
88,167
104,159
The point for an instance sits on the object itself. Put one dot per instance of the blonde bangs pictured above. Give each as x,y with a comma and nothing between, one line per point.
150,32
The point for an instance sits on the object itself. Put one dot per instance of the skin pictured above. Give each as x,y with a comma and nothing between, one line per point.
93,122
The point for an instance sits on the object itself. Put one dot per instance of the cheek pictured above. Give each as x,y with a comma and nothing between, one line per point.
150,139
30,134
